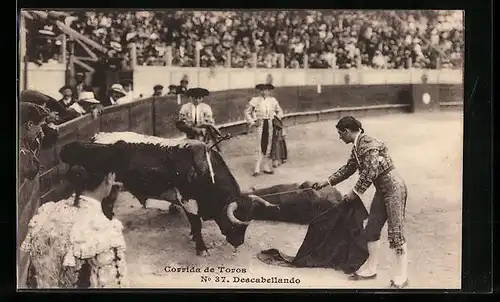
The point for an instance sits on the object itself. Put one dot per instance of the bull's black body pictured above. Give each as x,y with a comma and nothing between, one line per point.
298,203
150,170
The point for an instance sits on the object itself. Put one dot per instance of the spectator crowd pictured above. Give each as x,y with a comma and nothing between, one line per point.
331,39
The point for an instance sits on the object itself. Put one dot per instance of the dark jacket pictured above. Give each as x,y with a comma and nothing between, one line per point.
105,101
65,113
279,150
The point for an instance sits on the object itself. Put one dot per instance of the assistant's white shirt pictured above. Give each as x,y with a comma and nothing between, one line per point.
130,97
78,108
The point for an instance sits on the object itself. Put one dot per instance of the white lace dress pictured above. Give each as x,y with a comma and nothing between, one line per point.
75,247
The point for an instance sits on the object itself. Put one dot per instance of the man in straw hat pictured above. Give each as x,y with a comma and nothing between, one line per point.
195,116
127,87
115,96
32,119
259,114
89,104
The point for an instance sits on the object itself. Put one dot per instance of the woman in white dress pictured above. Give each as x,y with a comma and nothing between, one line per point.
72,243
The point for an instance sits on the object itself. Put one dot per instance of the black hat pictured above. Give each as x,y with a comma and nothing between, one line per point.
64,88
264,87
197,92
172,87
32,112
91,156
33,96
36,97
158,87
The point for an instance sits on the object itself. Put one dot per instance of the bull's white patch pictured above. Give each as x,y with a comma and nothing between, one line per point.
132,137
157,204
426,98
191,206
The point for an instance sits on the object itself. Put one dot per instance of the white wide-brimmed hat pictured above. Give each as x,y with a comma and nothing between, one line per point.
116,46
87,96
118,88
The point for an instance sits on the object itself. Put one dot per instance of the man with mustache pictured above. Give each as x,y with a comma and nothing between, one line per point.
32,120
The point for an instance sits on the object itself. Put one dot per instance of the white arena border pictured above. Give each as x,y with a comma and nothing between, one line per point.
318,113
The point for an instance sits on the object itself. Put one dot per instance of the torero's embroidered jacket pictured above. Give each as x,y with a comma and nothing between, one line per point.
370,157
75,247
259,108
191,117
202,114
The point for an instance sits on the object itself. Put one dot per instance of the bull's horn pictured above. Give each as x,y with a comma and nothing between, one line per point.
261,200
230,214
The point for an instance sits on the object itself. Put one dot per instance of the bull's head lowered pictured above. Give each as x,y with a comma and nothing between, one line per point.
237,216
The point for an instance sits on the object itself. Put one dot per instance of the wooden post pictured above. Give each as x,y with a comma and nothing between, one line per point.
409,62
71,63
169,56
133,55
64,49
23,83
305,62
197,58
282,60
227,64
254,60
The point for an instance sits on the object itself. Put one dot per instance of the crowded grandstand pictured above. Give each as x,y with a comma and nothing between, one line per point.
263,39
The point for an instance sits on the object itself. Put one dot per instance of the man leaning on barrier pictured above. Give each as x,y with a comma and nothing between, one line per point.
32,119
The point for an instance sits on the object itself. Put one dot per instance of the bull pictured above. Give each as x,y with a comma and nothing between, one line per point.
296,203
206,187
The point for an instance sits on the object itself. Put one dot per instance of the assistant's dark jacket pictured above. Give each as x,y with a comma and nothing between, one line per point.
279,150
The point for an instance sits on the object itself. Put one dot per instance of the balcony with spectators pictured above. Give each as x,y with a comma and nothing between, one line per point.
270,39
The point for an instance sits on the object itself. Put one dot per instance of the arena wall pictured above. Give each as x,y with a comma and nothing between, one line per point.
49,78
301,100
222,79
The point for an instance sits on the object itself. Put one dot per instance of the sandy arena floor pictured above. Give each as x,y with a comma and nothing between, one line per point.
427,150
